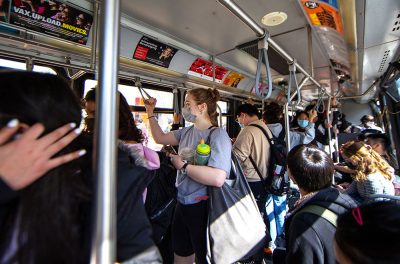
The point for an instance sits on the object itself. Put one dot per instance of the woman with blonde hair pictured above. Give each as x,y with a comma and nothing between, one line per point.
372,173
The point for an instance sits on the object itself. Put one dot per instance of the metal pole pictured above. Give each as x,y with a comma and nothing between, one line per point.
260,32
301,84
29,64
336,144
328,119
95,34
287,126
237,11
219,115
310,51
361,95
104,241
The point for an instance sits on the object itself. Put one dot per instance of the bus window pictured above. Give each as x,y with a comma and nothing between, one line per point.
132,95
22,66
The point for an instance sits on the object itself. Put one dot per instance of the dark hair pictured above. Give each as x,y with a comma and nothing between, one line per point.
370,235
209,97
365,118
311,168
272,113
50,210
91,95
248,109
309,107
380,138
127,127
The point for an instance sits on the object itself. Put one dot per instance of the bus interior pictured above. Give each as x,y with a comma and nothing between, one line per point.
289,51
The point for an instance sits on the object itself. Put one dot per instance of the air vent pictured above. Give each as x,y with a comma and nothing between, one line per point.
396,25
384,59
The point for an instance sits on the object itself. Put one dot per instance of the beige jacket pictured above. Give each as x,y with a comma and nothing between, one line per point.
252,141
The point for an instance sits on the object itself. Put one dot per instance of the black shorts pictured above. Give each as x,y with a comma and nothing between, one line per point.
189,230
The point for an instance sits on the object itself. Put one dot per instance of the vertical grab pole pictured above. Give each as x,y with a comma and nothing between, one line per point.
287,126
328,119
104,240
336,143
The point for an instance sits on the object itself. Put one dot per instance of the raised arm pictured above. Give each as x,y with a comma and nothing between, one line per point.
159,136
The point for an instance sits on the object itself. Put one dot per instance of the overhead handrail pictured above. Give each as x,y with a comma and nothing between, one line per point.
263,56
292,75
261,32
360,95
219,115
301,84
138,84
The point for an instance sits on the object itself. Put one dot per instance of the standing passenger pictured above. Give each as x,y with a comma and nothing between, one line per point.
276,205
303,131
253,151
189,230
50,220
251,143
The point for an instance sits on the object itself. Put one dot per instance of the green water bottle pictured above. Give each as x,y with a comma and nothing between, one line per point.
202,153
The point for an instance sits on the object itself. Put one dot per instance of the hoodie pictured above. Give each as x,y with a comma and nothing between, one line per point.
309,237
296,137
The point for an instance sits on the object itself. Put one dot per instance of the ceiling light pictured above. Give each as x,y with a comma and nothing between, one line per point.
274,19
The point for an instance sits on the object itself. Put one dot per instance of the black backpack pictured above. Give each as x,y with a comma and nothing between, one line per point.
277,180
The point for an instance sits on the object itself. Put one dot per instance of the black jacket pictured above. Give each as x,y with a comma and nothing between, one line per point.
309,237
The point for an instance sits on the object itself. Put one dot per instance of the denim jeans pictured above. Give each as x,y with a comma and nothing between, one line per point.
276,207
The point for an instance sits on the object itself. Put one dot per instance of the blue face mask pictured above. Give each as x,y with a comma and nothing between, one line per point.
302,123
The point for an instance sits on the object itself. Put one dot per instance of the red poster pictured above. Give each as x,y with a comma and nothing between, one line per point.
204,69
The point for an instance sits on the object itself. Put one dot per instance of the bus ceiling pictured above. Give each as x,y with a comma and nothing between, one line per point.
341,46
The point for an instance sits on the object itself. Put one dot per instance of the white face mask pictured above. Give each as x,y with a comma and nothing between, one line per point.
187,115
370,124
240,124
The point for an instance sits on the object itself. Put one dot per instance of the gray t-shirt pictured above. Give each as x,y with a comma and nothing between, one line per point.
190,191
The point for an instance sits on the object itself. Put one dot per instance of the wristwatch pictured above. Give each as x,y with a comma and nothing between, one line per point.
183,169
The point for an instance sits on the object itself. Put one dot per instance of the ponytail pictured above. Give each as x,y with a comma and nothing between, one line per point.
210,97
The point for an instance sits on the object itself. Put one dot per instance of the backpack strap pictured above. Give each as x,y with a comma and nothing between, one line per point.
281,135
325,213
213,128
265,133
254,163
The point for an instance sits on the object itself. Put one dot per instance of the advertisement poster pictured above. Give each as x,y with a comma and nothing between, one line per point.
4,7
53,18
233,79
154,52
322,14
204,69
